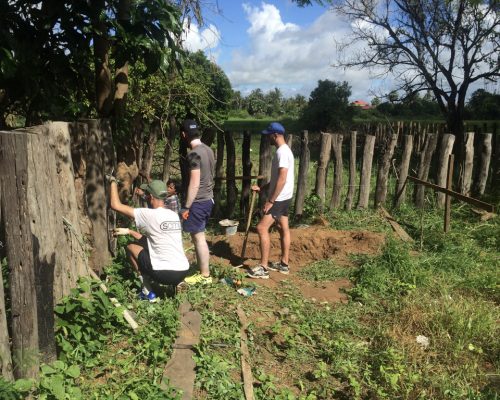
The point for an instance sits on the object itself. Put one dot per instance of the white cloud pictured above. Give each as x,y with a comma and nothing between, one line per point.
291,57
206,40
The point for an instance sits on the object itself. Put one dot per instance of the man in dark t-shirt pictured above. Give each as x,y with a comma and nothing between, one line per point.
199,199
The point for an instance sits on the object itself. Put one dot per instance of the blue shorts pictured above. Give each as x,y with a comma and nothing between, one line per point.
198,216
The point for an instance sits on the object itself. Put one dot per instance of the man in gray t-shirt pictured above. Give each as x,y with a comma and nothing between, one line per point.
199,200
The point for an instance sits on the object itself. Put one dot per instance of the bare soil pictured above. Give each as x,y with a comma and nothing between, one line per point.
308,245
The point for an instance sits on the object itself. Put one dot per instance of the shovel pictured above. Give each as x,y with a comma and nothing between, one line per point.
249,221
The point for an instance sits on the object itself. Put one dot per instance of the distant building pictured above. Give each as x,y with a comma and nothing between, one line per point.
361,104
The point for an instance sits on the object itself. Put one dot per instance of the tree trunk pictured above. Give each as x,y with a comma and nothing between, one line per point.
103,82
366,171
324,158
289,140
445,150
265,159
247,171
484,164
149,152
219,173
352,172
337,139
400,196
169,145
121,64
384,168
466,175
303,174
424,167
231,189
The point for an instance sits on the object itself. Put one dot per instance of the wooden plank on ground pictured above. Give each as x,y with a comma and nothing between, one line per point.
245,356
180,370
397,228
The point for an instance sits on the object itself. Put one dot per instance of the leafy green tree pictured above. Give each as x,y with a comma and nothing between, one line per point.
328,107
274,102
483,105
59,57
256,103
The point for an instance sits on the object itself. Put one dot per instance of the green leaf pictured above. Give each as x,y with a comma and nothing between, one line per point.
73,371
23,385
47,369
57,387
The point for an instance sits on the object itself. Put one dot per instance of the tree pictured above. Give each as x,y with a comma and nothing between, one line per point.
256,103
274,102
436,45
328,107
483,105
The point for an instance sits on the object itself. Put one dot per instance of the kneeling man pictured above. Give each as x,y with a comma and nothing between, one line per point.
158,254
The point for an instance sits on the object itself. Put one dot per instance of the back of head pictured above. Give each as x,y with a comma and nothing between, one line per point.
191,129
157,189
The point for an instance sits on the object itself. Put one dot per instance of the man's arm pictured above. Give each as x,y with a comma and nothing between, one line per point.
194,185
116,204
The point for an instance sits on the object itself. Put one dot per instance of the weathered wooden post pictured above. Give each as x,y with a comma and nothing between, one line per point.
449,186
324,158
337,139
219,173
495,178
366,171
289,140
247,171
21,246
265,159
231,190
445,150
385,165
466,167
404,166
303,174
430,143
5,356
352,172
484,164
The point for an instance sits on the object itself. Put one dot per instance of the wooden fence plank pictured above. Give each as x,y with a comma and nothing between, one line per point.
429,146
466,168
352,172
366,171
337,139
324,158
384,168
484,164
445,150
231,190
219,172
302,179
403,170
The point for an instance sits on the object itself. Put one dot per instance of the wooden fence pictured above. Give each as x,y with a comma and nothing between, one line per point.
54,226
388,152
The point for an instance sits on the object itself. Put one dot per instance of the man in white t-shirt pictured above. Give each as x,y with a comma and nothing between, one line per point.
276,207
158,253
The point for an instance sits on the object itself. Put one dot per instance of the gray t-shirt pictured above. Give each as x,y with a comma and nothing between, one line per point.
202,158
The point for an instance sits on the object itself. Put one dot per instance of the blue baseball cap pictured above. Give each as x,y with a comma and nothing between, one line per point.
274,127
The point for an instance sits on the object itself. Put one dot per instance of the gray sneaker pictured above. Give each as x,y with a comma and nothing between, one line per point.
280,267
258,272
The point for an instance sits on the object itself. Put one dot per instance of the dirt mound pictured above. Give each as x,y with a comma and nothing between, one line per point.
307,246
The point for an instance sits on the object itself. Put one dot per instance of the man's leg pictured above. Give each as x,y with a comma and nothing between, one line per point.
202,252
284,230
133,251
264,239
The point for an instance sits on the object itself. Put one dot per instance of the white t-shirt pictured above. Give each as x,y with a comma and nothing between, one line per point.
163,230
283,158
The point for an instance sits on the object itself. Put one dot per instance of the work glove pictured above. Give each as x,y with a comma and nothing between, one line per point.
121,231
184,213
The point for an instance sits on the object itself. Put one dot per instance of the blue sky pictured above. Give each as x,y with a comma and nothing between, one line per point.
275,43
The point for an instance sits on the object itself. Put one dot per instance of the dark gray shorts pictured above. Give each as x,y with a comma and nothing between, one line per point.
279,209
166,277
